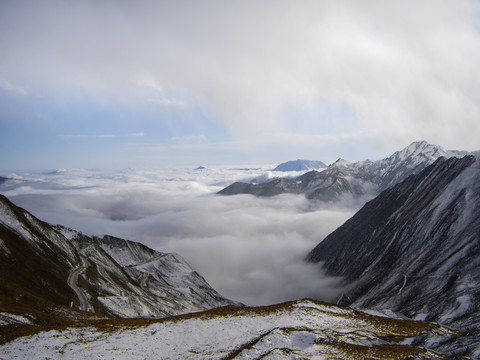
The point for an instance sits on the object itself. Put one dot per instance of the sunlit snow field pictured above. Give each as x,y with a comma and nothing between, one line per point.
250,249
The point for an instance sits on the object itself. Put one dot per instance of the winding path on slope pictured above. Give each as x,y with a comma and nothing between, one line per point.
72,282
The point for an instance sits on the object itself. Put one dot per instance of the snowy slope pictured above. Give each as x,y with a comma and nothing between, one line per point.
168,276
360,180
47,278
416,249
301,329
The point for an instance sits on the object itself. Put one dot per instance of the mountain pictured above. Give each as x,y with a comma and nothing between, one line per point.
415,249
303,329
163,273
343,179
300,165
46,278
66,294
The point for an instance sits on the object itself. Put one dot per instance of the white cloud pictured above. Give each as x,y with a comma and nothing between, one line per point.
166,102
103,136
190,139
16,89
399,68
249,249
80,136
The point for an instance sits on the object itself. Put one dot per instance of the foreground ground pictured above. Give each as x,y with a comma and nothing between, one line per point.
300,329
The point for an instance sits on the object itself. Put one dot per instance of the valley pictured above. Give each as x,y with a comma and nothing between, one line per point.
404,264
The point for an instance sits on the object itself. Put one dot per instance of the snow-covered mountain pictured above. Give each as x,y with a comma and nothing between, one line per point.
343,179
416,249
46,278
302,329
83,287
167,275
300,165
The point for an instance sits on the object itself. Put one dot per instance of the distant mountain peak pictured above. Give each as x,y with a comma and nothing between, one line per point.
360,180
340,162
421,148
424,148
300,165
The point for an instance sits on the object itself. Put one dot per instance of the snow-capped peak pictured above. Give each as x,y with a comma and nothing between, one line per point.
340,162
362,180
420,148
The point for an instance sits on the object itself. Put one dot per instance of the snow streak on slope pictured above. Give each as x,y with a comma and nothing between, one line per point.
302,329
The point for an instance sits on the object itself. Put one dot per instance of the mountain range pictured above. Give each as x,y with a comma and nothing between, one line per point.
344,180
412,251
415,249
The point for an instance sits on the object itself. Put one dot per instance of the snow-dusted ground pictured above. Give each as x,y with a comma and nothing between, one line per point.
308,328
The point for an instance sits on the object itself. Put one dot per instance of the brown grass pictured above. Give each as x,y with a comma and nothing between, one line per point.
387,328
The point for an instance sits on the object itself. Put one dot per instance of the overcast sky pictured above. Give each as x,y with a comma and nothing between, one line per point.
99,84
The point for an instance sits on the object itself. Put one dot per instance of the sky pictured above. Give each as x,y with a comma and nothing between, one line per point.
149,84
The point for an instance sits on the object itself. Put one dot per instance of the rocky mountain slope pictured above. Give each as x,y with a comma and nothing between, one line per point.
302,329
416,249
300,165
165,274
48,279
343,179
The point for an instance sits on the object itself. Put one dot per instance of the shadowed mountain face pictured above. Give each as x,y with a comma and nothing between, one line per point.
416,249
46,278
351,180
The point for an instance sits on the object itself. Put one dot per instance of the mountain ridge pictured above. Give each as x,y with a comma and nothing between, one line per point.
342,179
414,249
43,273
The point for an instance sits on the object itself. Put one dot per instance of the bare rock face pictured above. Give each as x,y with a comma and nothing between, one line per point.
416,249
